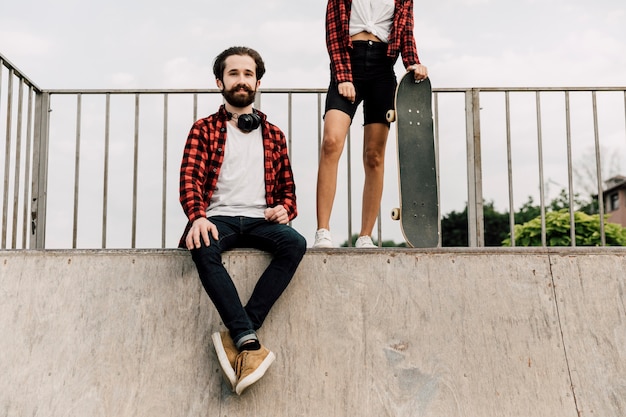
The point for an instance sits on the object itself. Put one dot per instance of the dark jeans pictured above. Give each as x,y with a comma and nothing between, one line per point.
285,244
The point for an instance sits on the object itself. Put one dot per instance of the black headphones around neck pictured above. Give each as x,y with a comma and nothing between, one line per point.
246,122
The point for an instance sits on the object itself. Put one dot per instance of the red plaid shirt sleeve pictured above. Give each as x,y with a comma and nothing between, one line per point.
202,159
338,42
401,38
338,39
280,188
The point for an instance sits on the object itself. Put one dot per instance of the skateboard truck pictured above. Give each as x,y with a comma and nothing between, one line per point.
391,116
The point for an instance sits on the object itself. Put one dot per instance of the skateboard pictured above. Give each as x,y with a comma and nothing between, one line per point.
417,164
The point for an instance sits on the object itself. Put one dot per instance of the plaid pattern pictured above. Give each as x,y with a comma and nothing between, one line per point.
338,42
203,157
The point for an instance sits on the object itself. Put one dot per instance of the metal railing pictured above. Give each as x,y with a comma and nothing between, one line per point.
99,168
23,120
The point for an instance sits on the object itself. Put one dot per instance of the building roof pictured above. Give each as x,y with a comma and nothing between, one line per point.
617,181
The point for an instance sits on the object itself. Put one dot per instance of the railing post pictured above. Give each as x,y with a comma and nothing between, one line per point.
596,135
257,100
7,159
475,220
40,171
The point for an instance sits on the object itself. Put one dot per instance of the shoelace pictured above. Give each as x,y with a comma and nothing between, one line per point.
240,362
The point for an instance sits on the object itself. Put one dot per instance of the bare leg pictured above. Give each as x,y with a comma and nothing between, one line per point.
374,163
336,125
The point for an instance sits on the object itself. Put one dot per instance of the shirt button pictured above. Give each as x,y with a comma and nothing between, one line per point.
222,130
219,150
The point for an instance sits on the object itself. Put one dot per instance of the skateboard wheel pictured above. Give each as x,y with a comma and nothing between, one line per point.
395,213
391,116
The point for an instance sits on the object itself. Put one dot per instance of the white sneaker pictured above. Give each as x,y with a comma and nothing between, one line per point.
364,242
323,239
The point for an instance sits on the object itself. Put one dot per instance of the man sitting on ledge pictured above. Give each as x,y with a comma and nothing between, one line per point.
237,190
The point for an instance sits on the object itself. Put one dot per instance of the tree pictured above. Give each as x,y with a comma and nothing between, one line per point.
528,211
454,225
587,228
562,202
585,170
454,229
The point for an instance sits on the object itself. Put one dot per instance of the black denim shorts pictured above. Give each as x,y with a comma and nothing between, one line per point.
374,80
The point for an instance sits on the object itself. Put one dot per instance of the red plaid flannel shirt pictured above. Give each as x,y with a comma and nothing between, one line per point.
338,42
203,157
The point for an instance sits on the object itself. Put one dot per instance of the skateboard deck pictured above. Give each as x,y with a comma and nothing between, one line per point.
417,163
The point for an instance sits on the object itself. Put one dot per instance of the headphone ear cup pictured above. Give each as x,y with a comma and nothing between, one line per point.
257,120
249,122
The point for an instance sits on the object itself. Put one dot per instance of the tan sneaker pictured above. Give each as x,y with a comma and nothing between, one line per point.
251,366
226,355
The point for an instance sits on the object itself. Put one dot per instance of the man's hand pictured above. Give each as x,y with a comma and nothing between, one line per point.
200,229
277,214
347,90
420,72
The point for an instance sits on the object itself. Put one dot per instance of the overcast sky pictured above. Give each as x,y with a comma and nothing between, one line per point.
157,44
465,43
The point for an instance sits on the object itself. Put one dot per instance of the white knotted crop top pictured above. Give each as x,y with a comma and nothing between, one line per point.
373,16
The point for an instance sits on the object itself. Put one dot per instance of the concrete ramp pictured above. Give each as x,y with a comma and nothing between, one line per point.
398,332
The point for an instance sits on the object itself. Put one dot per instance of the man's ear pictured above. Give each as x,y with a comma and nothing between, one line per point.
219,84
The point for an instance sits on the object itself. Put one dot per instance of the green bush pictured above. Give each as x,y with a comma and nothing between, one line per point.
558,231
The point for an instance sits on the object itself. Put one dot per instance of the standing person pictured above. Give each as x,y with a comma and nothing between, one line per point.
364,39
237,190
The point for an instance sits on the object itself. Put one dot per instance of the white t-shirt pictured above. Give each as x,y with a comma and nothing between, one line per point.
373,16
240,189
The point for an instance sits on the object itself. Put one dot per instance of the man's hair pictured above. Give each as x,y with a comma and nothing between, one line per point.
220,61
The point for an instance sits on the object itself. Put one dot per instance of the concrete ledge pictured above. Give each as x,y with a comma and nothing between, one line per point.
398,332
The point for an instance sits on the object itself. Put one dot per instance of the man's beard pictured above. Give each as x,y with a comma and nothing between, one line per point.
235,99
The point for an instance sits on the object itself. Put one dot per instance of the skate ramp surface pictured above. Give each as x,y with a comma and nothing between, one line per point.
391,332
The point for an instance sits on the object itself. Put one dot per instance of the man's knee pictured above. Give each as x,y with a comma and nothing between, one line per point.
300,244
295,243
206,254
